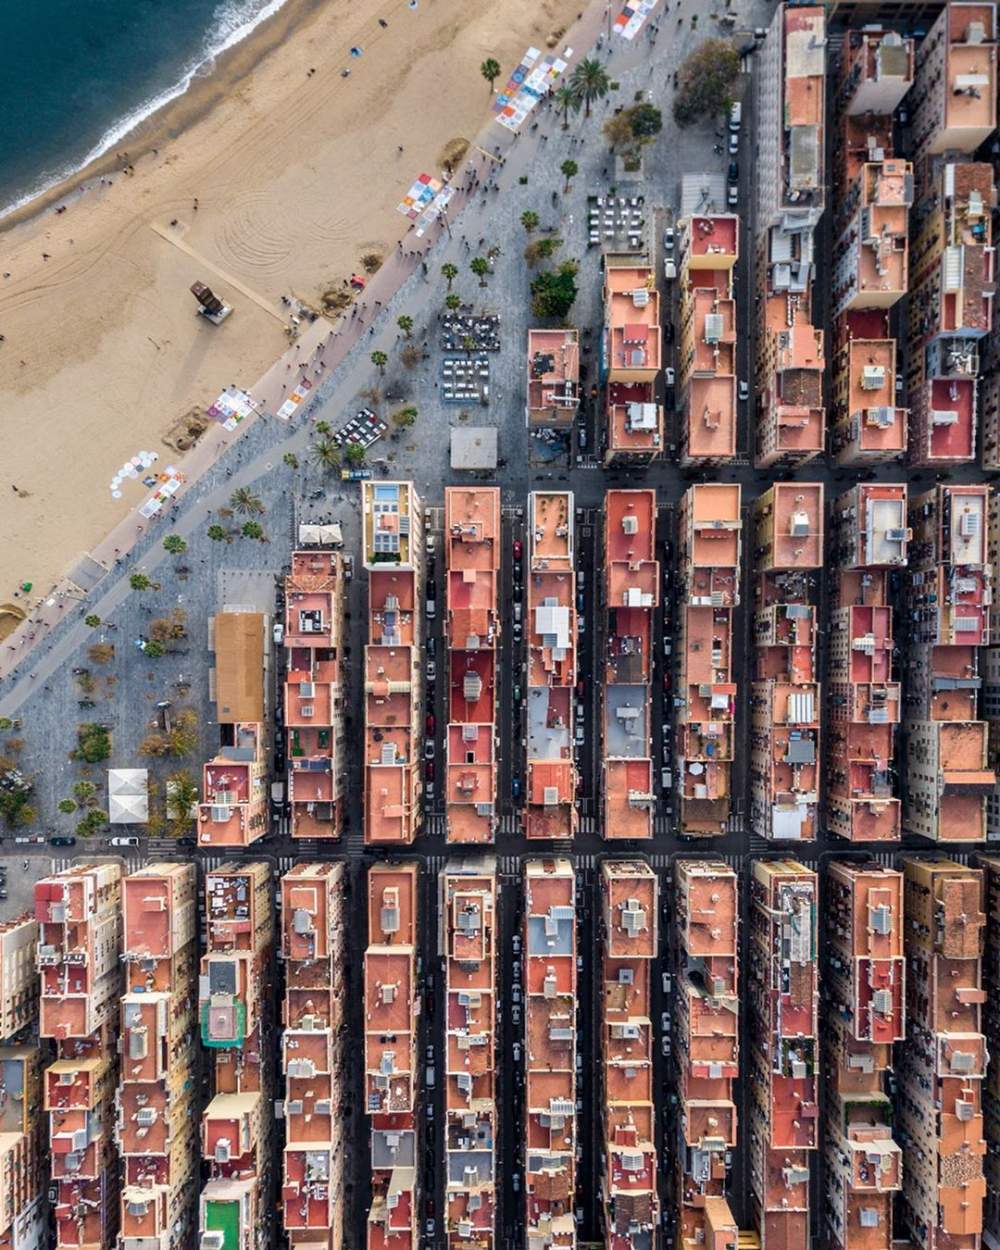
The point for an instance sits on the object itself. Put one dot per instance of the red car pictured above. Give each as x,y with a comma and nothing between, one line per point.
666,679
431,723
518,549
429,771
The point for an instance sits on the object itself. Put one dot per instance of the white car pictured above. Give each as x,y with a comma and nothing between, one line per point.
734,142
123,841
668,376
744,391
670,269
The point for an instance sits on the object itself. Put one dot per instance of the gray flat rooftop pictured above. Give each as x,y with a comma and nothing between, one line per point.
626,722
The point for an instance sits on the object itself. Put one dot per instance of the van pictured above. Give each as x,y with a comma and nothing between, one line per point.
517,611
666,779
670,269
735,116
429,1078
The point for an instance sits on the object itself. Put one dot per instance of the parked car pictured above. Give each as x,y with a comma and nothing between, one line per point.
670,269
278,633
732,195
62,841
668,376
430,724
431,670
517,692
734,171
734,143
187,842
744,390
735,116
518,549
515,786
123,841
669,235
429,749
429,770
668,332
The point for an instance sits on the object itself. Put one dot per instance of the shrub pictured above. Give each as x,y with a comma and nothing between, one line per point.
93,743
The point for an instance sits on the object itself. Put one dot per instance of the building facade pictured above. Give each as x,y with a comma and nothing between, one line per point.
472,634
550,804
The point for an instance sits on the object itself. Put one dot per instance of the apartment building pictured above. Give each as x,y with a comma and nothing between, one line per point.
989,865
234,805
314,707
393,554
24,1223
22,1171
550,980
709,543
391,1073
953,279
942,1063
631,359
234,1009
706,356
782,995
469,935
864,695
156,1126
953,103
785,697
472,636
18,975
864,991
877,67
790,189
550,797
313,1043
708,1042
629,947
553,383
948,776
631,593
79,917
868,426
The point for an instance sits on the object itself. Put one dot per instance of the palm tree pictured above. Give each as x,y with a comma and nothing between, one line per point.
589,82
244,501
450,271
490,70
405,323
139,581
566,101
175,544
529,220
325,453
480,266
253,529
380,360
354,455
451,302
217,533
569,170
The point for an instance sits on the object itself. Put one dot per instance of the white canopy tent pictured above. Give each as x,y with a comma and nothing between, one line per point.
128,796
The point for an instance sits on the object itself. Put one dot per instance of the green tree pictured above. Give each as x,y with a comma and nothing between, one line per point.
253,529
291,459
15,790
380,360
618,131
480,266
93,743
153,649
706,82
139,581
405,323
182,795
451,302
322,427
175,545
569,170
490,70
182,736
66,806
405,417
325,453
92,620
541,249
450,272
217,533
529,220
85,793
92,823
553,292
589,82
245,502
566,102
646,121
354,454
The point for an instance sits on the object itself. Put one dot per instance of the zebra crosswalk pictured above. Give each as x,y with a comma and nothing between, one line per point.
588,824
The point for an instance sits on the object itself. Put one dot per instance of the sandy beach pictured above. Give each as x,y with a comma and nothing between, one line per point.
296,176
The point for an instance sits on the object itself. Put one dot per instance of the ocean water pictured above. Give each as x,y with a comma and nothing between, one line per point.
76,75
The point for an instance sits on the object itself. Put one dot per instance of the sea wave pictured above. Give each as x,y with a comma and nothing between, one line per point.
234,21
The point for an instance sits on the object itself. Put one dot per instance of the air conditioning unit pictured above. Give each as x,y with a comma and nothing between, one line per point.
214,1239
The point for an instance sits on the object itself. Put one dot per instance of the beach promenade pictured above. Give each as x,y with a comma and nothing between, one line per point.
99,582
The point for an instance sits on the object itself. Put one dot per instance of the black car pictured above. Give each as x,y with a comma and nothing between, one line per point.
62,841
669,332
190,843
670,399
734,171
